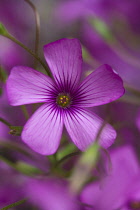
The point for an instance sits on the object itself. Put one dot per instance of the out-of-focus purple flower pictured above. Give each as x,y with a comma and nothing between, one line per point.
75,10
20,26
108,10
120,189
10,186
64,98
70,11
125,116
51,194
11,17
11,54
133,195
3,128
138,120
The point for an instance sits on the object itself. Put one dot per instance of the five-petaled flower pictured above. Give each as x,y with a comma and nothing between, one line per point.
66,99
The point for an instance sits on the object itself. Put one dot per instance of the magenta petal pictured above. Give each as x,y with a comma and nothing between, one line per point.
43,130
114,190
100,87
64,58
51,194
83,128
26,85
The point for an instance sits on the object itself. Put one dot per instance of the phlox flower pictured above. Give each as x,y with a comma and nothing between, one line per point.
65,99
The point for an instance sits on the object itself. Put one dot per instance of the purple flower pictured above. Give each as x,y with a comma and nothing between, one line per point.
19,26
66,98
107,10
138,120
10,185
121,188
51,194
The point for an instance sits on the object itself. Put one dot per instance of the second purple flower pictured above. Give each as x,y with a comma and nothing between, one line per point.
66,99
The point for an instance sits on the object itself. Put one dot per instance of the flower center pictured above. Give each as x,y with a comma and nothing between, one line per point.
63,100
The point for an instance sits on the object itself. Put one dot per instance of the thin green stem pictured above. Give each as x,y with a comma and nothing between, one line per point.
37,21
14,146
25,111
53,161
123,53
100,131
132,90
109,158
5,122
130,100
3,75
110,37
134,98
68,156
29,51
14,204
8,162
86,205
21,167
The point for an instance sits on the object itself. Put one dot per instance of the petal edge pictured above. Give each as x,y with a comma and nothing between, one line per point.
100,87
83,128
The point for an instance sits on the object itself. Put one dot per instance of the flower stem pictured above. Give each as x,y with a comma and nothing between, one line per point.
123,53
132,90
109,36
15,147
130,99
8,162
5,122
68,156
37,21
25,112
14,204
29,51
